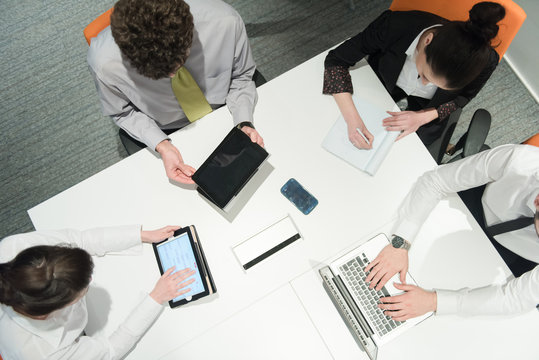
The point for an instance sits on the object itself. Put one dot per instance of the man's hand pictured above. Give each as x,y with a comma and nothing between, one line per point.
174,166
388,262
414,302
253,134
170,285
153,236
408,121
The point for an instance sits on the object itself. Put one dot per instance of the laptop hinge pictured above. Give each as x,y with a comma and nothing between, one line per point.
351,315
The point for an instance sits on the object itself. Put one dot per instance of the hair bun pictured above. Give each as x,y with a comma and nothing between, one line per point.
484,17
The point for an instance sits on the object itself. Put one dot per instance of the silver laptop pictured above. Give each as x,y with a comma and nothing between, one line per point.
344,281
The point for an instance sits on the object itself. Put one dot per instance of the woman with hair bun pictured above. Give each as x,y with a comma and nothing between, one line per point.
44,277
436,64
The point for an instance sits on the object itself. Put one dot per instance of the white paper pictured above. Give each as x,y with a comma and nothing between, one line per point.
338,143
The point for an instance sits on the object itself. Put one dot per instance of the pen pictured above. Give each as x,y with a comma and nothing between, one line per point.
363,136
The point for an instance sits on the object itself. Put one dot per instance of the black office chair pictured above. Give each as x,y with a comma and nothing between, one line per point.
258,78
473,141
438,147
132,146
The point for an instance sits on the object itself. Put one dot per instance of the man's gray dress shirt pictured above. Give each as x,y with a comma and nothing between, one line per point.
220,61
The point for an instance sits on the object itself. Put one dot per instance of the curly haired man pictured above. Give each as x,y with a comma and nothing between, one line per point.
136,60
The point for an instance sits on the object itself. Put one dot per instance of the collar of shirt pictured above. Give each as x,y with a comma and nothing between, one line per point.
59,328
409,80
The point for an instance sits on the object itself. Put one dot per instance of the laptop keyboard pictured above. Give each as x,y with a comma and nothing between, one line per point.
368,298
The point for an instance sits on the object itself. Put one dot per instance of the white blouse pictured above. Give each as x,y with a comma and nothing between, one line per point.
59,335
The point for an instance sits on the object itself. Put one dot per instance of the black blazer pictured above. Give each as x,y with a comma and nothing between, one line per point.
385,42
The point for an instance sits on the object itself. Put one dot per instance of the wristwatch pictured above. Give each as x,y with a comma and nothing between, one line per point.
399,243
245,123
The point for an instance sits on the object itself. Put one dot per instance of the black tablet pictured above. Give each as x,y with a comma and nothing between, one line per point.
229,167
183,250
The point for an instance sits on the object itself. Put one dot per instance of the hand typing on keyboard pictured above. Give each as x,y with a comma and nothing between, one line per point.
414,302
388,262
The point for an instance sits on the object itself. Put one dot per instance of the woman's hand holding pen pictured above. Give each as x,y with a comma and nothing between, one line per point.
358,134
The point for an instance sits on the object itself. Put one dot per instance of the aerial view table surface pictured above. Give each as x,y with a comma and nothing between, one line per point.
277,300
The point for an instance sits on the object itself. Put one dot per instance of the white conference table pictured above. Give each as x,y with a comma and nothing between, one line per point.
278,309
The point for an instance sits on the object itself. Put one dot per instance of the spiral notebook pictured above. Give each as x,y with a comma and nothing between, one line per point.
367,160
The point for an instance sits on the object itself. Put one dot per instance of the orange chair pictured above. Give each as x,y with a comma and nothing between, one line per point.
534,140
96,26
458,10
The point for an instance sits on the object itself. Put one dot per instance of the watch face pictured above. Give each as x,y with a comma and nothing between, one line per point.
397,242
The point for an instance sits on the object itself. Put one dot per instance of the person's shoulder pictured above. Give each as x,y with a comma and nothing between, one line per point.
11,245
520,157
415,17
530,152
103,52
211,8
213,11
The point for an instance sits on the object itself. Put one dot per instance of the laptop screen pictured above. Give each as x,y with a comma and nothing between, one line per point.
229,167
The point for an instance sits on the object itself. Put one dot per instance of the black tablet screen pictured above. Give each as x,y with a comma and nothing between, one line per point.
227,169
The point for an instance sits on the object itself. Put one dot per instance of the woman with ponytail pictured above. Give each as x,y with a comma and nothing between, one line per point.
437,65
44,277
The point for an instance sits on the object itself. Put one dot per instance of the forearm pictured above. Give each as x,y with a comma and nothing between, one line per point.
242,96
98,241
447,179
140,127
346,106
516,296
427,115
136,324
241,100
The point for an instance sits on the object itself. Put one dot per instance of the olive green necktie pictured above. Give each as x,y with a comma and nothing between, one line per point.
189,95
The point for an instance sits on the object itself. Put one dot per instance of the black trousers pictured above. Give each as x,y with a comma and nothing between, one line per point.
516,263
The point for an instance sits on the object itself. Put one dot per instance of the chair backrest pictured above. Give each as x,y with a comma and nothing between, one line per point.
438,147
96,26
458,10
534,140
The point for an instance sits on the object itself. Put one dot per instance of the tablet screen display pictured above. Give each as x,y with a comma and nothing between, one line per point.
179,252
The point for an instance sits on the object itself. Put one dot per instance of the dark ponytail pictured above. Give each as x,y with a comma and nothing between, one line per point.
42,279
460,50
5,288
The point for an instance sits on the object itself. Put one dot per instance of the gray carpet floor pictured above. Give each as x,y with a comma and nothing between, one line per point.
53,134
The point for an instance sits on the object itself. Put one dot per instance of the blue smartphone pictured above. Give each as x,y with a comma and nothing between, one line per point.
300,197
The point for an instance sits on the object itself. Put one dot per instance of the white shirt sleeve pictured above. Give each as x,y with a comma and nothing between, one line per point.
518,295
98,241
242,95
119,343
430,188
136,123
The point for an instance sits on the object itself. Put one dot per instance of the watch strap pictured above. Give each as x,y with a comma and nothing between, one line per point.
245,123
405,244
